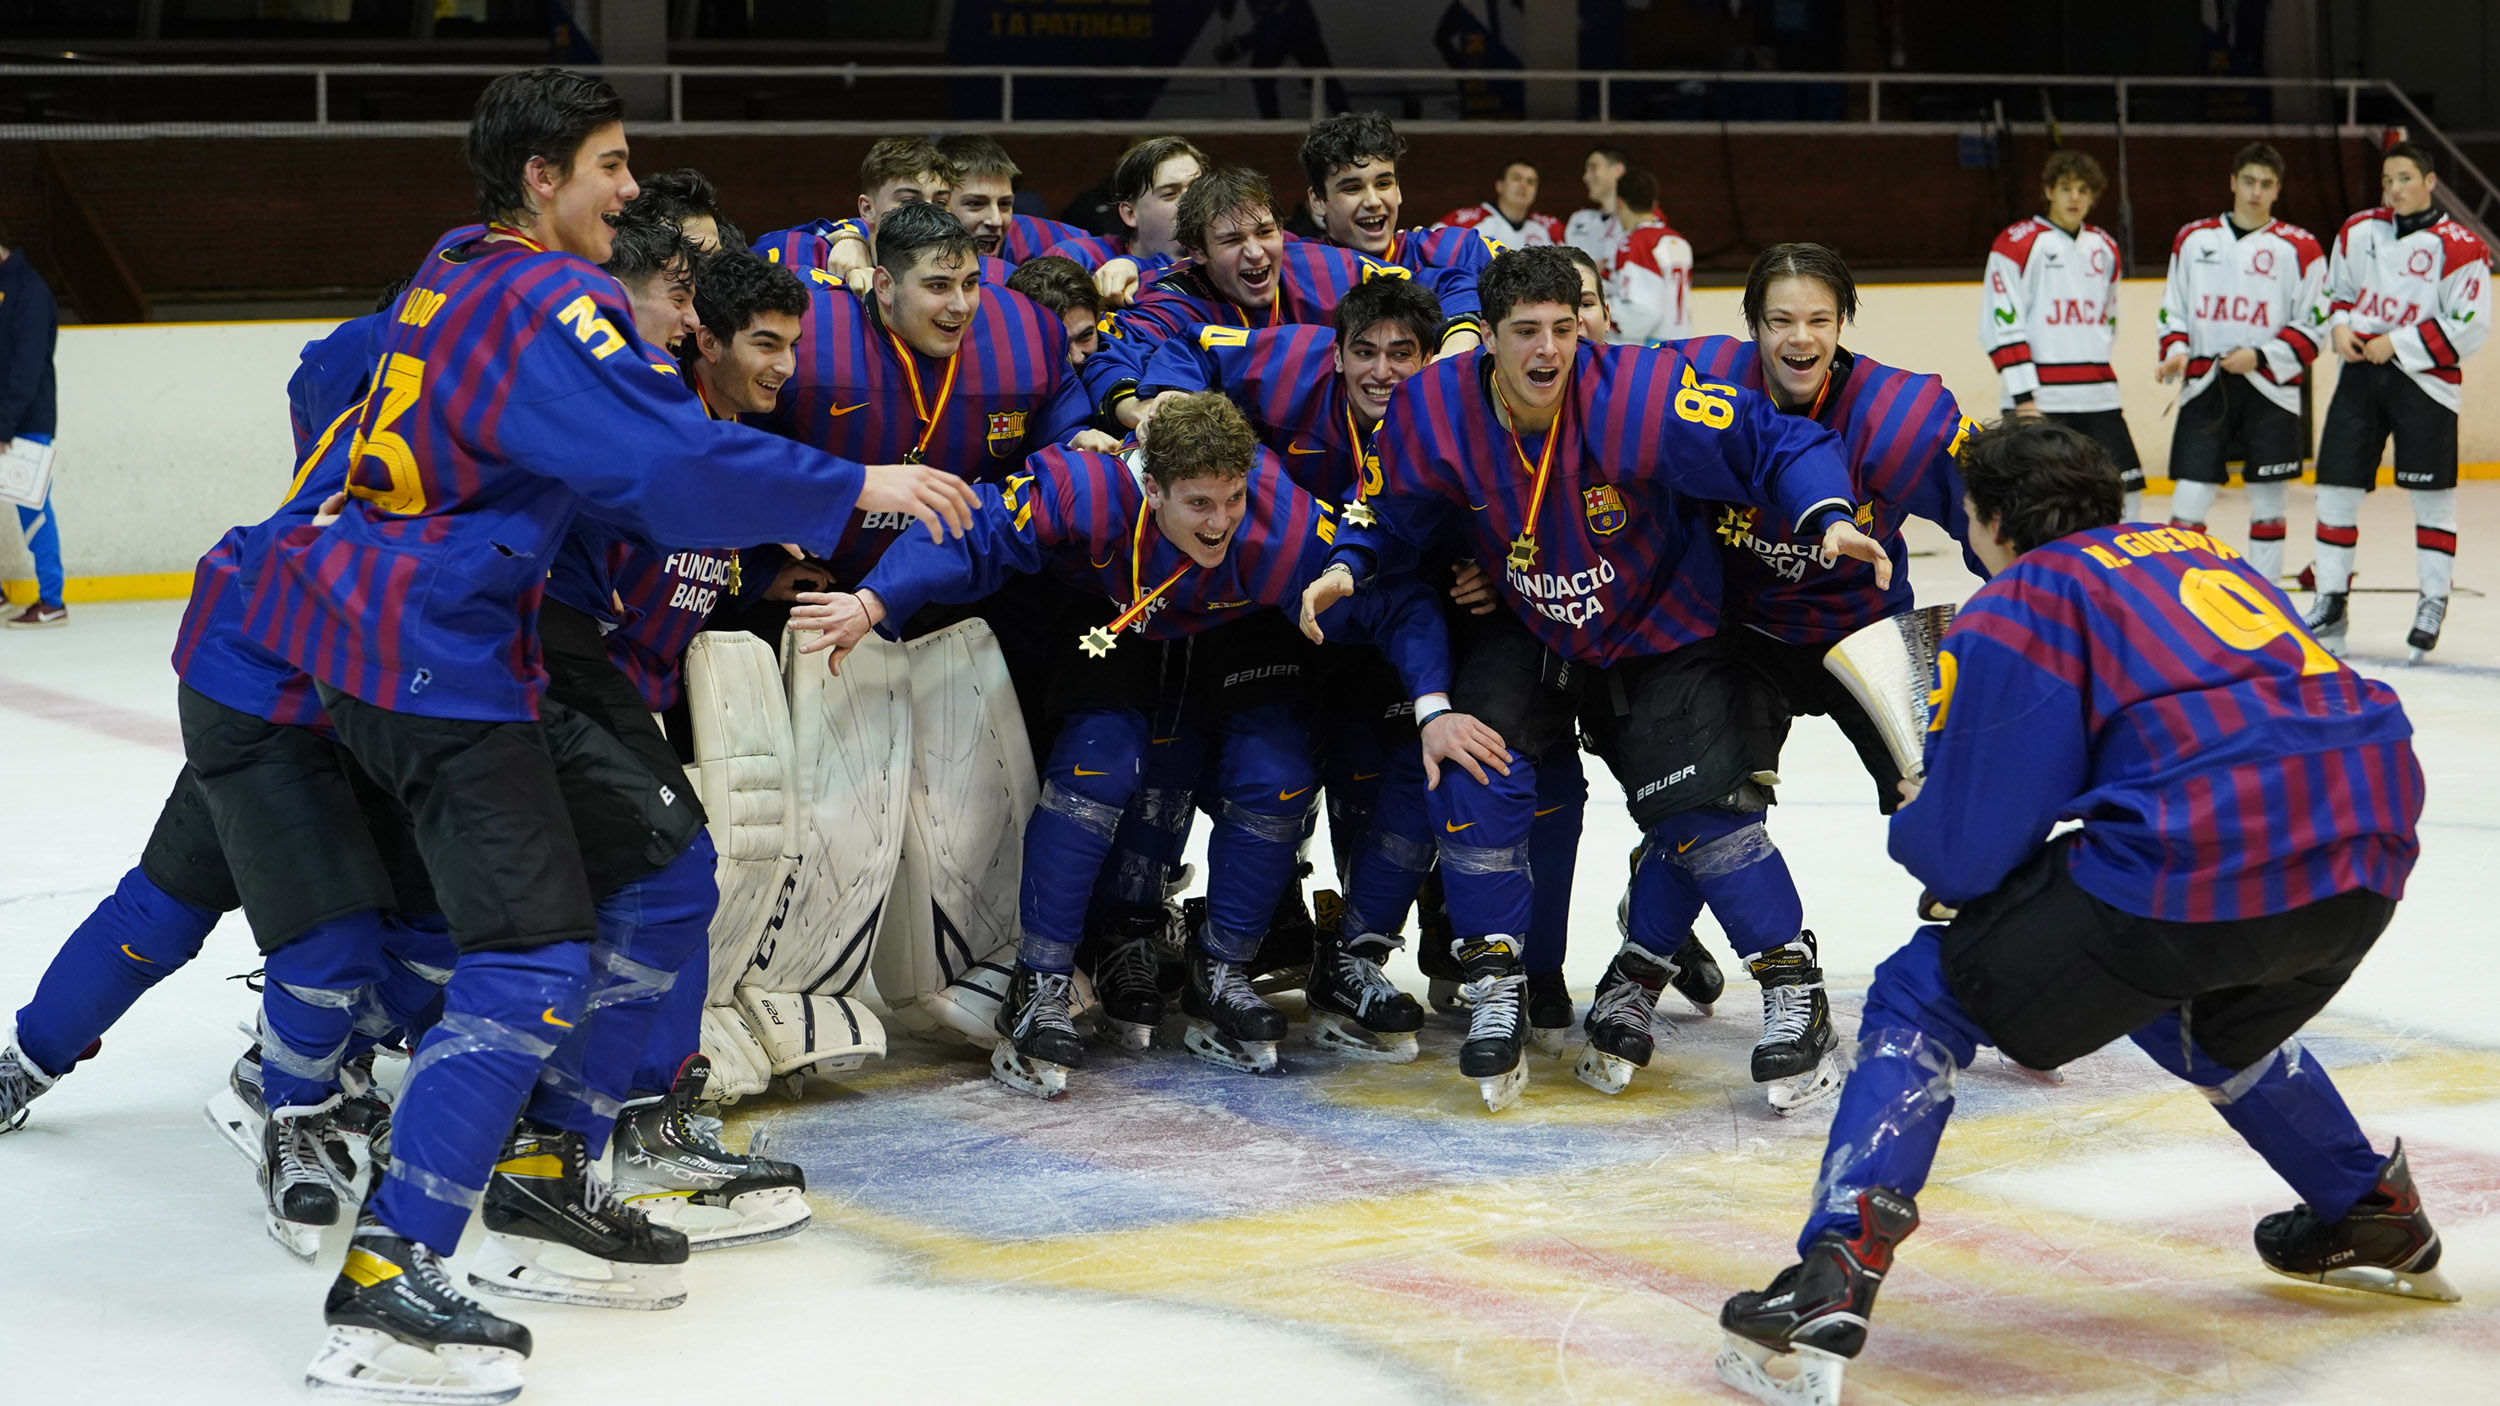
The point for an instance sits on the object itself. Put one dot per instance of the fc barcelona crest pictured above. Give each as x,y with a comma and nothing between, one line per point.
1605,509
1006,433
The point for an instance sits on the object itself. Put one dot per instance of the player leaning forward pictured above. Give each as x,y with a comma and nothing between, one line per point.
2408,299
1580,468
514,393
2153,686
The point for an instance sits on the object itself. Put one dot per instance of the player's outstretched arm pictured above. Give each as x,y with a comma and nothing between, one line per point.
942,502
1844,539
839,620
1326,589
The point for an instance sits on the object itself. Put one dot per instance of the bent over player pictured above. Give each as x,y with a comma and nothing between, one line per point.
2151,685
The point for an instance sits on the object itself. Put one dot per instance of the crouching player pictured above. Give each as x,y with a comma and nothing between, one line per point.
2155,687
1187,552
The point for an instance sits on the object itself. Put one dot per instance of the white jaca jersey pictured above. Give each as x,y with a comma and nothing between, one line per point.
2050,315
2428,291
1598,234
1652,290
2263,289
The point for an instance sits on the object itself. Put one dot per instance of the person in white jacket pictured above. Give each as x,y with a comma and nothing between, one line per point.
2241,319
1652,294
2049,316
2408,299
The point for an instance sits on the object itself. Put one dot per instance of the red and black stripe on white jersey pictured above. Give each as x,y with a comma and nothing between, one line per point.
2048,316
2231,288
2428,290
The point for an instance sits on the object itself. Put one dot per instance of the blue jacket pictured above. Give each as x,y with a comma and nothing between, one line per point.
29,325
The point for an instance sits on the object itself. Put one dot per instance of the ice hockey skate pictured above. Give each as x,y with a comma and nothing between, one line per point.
237,1112
1697,977
296,1180
560,1235
1229,1025
672,1168
1355,1009
2429,614
1435,944
2383,1245
20,1084
1620,1037
1790,1344
1798,1056
1126,967
399,1331
1550,1013
2329,618
1495,1053
1038,1043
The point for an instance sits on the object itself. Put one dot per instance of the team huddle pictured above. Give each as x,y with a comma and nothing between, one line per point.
664,632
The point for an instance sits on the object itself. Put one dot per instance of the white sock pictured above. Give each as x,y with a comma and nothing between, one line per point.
2435,539
2339,529
2190,501
2266,506
2131,506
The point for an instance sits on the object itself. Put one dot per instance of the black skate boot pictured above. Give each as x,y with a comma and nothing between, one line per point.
2384,1244
1283,961
1815,1312
671,1166
239,1110
399,1331
295,1177
2429,613
2327,621
1798,1053
542,1195
1228,1023
1039,1043
20,1084
1495,1052
1550,1013
1355,1009
1697,976
1436,952
1126,979
1618,1026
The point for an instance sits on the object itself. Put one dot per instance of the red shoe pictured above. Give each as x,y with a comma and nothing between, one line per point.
38,616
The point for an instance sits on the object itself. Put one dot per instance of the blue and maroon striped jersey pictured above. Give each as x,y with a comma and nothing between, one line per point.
853,394
804,247
512,392
1027,236
2146,682
330,374
1082,517
1901,431
1312,277
1423,250
1285,379
1624,563
1092,251
654,601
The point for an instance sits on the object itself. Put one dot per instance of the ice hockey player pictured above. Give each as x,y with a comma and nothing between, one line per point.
2048,315
2409,299
1586,463
1181,553
1786,603
487,432
1597,229
1652,295
1508,219
1351,161
2148,683
1148,181
2241,319
985,200
1058,284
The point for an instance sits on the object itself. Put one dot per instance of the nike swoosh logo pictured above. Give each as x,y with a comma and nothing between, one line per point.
1289,795
1298,449
1106,561
1549,810
1454,829
1688,844
133,955
549,1015
1366,776
1476,507
841,410
1083,772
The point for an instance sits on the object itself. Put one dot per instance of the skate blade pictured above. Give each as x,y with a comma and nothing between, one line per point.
296,1237
1244,1056
367,1365
1346,1036
1127,1036
238,1125
1502,1090
1790,1097
1027,1076
1549,1041
520,1268
2415,655
1700,1008
2371,1279
1813,1378
750,1219
1608,1074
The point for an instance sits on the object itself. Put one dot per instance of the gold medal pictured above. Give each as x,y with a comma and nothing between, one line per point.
1098,642
1523,547
1102,639
734,577
1523,551
1359,514
919,403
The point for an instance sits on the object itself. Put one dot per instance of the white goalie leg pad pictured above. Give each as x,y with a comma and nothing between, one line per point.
806,1033
740,1068
741,773
365,1364
968,1008
1802,1377
850,740
970,790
